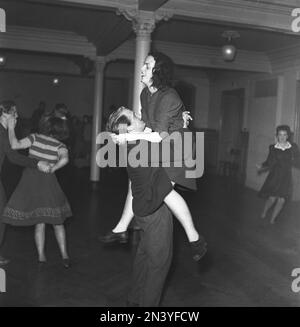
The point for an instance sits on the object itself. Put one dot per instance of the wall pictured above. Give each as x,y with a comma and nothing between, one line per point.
262,122
258,116
27,89
200,80
261,114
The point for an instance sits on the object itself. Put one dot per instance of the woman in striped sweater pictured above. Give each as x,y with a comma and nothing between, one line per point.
38,199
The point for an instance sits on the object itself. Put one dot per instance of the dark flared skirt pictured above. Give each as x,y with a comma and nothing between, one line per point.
149,187
278,183
179,175
38,198
2,198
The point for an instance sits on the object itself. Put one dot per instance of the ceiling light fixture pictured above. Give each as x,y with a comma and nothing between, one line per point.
2,60
229,50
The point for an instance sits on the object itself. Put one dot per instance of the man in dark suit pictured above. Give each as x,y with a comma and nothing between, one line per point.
153,258
8,110
150,186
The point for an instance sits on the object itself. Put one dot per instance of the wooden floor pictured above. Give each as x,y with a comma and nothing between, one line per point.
249,261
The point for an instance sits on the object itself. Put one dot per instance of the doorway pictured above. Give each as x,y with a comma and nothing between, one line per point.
233,141
296,139
296,136
187,93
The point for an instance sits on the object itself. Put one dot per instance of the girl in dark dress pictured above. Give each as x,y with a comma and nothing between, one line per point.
278,184
38,199
162,111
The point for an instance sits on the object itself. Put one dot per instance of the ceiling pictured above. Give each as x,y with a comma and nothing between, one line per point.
102,27
294,3
107,30
209,34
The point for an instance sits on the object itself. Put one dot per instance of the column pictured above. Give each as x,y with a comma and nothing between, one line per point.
142,48
97,115
280,98
130,92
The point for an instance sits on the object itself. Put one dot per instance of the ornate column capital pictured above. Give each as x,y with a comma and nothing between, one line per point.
143,22
100,60
99,63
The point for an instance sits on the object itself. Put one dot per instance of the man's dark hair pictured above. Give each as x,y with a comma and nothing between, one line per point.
54,127
116,119
285,128
61,111
162,71
6,106
42,104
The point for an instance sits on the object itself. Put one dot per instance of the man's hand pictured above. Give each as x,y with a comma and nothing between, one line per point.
11,122
261,169
52,168
44,166
186,118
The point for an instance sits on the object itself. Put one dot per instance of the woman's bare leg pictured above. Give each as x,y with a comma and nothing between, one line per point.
127,214
39,236
60,234
269,203
181,211
278,206
176,204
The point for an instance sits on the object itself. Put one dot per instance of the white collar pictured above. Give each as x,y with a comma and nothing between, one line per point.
282,147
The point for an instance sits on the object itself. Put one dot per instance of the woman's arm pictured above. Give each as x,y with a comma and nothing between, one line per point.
269,163
150,137
153,137
296,156
14,142
17,158
63,159
169,113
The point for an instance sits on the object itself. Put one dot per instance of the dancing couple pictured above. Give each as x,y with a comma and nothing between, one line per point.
151,197
38,199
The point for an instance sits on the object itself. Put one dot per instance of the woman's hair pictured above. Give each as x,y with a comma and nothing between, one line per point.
285,128
116,119
162,71
55,127
6,106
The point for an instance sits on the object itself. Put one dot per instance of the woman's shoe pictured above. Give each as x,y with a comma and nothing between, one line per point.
3,261
66,263
111,237
199,248
41,263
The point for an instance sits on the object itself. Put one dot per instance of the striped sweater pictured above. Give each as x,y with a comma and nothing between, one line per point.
44,148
